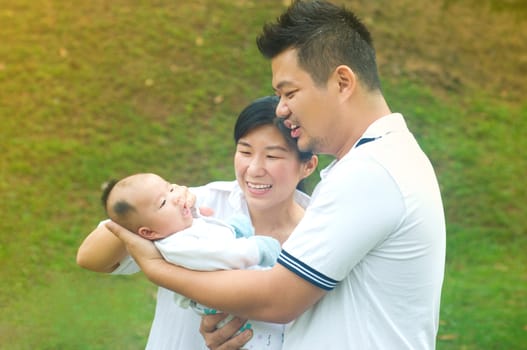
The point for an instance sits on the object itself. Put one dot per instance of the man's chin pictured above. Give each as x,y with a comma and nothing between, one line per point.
304,145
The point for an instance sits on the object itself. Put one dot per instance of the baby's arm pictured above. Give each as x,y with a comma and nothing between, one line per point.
268,248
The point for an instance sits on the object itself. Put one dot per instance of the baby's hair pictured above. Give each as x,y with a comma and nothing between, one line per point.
107,187
120,208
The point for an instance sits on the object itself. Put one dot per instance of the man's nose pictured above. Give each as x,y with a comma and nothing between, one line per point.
282,111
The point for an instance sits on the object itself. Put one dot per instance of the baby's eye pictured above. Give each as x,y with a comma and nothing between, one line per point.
163,202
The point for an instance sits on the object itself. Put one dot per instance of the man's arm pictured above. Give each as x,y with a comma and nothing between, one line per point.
275,295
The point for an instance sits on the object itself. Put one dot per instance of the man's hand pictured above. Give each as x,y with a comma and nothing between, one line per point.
142,250
223,338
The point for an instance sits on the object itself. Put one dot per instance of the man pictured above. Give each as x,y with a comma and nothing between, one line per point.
364,267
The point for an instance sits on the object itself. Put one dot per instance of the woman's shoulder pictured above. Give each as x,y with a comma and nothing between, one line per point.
302,198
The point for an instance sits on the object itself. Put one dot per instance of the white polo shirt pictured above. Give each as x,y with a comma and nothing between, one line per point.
374,237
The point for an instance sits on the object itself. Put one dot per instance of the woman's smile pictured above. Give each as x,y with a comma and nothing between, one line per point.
258,188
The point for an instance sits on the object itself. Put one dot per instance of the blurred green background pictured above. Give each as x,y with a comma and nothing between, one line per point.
99,89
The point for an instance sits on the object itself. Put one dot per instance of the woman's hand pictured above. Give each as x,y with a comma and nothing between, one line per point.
142,250
223,338
101,251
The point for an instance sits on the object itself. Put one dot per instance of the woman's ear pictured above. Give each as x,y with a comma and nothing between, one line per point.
310,166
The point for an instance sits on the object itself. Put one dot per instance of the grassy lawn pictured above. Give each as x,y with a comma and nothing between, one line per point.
99,89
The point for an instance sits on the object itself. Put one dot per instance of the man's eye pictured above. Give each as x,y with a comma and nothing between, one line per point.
289,94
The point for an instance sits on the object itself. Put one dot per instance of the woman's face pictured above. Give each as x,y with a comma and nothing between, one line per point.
267,169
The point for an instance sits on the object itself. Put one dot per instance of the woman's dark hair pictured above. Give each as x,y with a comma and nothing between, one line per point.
262,111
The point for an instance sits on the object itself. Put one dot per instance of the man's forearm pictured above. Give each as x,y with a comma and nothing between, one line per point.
275,295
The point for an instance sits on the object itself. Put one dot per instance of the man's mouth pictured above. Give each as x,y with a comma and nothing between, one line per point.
295,129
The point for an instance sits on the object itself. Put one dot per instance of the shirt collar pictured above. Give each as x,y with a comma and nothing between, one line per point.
385,125
389,123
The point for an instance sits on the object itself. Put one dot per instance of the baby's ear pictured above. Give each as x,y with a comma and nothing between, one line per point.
147,233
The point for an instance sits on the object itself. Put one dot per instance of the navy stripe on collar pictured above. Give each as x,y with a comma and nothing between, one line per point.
365,140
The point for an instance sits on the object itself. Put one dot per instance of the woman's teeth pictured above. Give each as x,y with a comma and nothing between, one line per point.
257,186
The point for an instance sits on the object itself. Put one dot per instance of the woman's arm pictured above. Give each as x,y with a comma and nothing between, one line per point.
101,251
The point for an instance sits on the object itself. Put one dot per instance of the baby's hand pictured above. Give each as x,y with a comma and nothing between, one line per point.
183,197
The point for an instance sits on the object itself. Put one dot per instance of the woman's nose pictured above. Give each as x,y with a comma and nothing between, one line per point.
256,167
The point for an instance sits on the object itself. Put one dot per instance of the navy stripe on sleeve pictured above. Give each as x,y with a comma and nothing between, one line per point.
306,272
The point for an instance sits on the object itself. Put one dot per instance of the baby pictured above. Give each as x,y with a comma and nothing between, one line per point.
143,203
146,204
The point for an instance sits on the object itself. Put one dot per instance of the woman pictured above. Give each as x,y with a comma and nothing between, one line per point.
268,169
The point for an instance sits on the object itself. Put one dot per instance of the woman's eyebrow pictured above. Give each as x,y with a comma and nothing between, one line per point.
244,143
277,148
268,148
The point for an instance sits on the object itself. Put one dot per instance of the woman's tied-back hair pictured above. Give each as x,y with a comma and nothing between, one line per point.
325,36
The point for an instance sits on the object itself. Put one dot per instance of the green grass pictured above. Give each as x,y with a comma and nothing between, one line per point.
93,90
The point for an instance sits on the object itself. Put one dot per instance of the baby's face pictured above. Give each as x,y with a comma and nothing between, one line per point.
157,204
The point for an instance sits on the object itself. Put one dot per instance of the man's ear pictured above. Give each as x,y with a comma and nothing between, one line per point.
346,79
